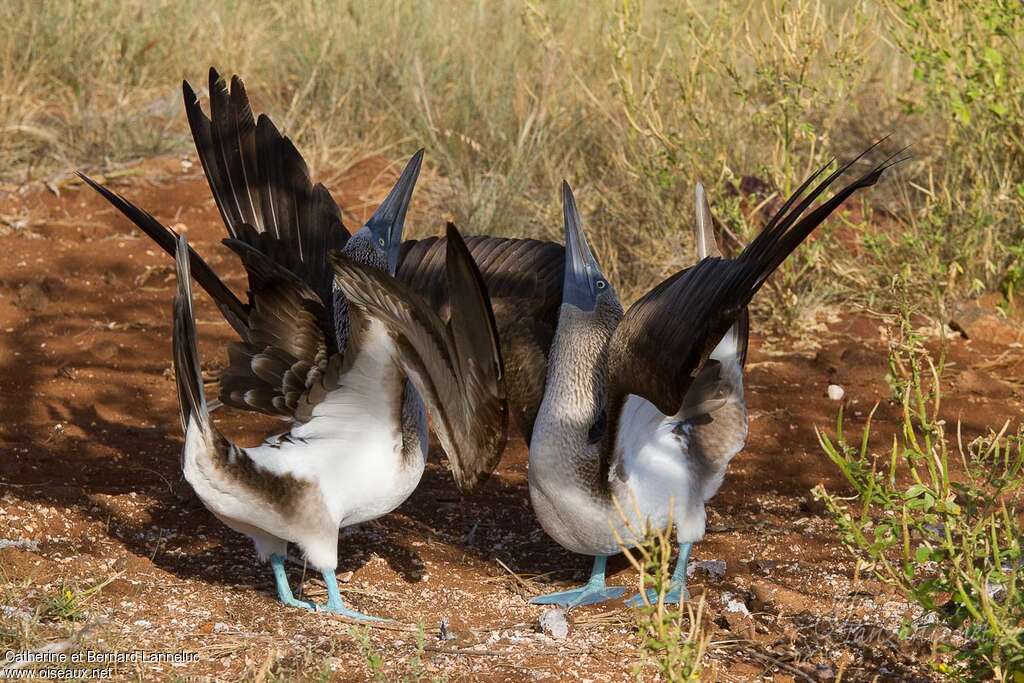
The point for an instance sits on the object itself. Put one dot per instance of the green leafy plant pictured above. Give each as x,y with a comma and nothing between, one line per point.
939,523
68,604
968,65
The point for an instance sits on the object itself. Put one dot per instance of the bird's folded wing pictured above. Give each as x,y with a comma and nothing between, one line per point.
524,281
456,366
665,339
288,363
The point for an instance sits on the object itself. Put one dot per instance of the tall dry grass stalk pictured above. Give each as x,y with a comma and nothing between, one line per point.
631,100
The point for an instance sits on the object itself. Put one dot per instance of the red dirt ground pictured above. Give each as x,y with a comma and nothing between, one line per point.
90,490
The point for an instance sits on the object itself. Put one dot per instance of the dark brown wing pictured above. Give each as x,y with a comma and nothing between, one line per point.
524,281
665,339
283,226
456,366
284,367
262,187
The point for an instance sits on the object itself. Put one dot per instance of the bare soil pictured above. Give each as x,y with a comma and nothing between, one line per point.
91,492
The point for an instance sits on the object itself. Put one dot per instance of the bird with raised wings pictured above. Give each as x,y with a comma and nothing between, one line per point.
644,409
357,404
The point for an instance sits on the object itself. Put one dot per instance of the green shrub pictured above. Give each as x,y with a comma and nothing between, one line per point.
942,526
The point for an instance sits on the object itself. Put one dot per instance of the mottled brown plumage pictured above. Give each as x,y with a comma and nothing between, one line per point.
456,365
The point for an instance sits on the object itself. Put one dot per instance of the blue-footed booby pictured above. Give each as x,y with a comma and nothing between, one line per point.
362,452
263,191
358,438
643,409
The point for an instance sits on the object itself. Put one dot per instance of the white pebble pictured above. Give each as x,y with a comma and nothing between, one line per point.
554,623
836,392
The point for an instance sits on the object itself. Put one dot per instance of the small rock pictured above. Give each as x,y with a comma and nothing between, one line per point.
554,623
737,617
15,613
783,599
737,606
981,319
836,392
715,569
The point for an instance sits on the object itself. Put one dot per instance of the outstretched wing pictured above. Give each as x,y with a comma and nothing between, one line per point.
523,278
261,185
456,366
282,226
665,339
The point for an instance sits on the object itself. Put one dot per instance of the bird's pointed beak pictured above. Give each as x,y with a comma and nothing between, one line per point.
581,269
388,220
704,228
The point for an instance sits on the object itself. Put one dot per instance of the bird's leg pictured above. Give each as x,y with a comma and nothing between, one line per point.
284,591
335,605
593,592
677,585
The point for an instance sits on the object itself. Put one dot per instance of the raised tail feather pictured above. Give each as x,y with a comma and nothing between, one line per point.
187,371
734,344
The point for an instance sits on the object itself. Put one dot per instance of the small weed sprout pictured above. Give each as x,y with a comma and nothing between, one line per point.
373,661
675,648
945,532
65,605
68,604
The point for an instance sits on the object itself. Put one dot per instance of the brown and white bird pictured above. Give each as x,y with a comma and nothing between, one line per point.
644,409
355,391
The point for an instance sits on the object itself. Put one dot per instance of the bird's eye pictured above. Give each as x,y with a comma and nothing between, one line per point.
381,241
600,284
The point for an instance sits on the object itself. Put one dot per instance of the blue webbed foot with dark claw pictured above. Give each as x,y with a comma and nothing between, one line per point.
334,603
591,593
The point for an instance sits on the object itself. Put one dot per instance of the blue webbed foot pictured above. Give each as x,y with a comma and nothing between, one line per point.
676,595
677,592
591,593
346,612
334,603
577,597
301,604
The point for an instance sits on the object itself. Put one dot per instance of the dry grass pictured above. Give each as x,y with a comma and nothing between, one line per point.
632,101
